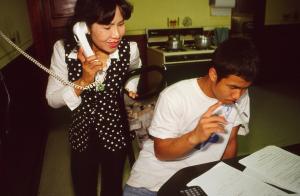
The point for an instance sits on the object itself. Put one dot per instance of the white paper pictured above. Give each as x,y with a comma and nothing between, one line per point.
225,180
224,3
275,166
249,172
220,11
221,7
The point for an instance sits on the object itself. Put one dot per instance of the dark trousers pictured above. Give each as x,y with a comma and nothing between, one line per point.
85,166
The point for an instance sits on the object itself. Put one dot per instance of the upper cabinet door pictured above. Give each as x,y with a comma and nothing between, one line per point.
48,20
62,8
58,12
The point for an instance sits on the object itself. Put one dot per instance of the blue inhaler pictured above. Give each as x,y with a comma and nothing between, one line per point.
223,110
214,138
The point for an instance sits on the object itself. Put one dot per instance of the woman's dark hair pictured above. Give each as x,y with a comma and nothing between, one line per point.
97,11
236,56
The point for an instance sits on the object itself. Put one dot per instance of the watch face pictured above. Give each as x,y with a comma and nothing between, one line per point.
187,21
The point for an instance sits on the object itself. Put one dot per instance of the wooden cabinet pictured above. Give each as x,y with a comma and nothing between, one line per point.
48,19
245,6
57,13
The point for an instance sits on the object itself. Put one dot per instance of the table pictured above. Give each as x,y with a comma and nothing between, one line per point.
179,180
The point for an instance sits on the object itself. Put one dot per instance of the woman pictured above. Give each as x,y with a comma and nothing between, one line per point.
98,133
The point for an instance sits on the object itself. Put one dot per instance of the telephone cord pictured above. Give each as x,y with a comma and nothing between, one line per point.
54,75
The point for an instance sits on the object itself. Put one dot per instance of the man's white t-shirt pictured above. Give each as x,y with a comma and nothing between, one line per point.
178,110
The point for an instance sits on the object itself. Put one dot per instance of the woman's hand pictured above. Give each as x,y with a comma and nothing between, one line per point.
132,94
90,66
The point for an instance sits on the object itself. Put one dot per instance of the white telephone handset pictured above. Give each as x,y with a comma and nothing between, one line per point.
80,30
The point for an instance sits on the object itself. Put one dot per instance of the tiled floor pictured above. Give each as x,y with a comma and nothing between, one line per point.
55,177
274,116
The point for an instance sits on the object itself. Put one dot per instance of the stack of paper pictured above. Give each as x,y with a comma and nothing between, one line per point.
225,180
271,165
275,166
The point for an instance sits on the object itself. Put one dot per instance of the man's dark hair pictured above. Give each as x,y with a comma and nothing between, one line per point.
97,11
236,56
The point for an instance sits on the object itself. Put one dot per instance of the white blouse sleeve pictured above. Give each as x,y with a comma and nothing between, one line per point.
135,60
135,63
58,94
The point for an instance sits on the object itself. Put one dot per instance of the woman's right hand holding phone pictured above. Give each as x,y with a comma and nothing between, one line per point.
90,66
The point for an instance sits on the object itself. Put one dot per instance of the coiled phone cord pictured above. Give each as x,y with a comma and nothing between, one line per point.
54,75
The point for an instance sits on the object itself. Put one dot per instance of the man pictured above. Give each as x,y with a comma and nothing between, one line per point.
192,113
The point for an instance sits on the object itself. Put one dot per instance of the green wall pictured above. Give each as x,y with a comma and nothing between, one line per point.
14,22
154,14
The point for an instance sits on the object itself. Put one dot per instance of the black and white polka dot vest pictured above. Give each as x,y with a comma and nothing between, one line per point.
101,114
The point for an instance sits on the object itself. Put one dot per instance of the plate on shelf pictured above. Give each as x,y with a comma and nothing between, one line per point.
187,21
